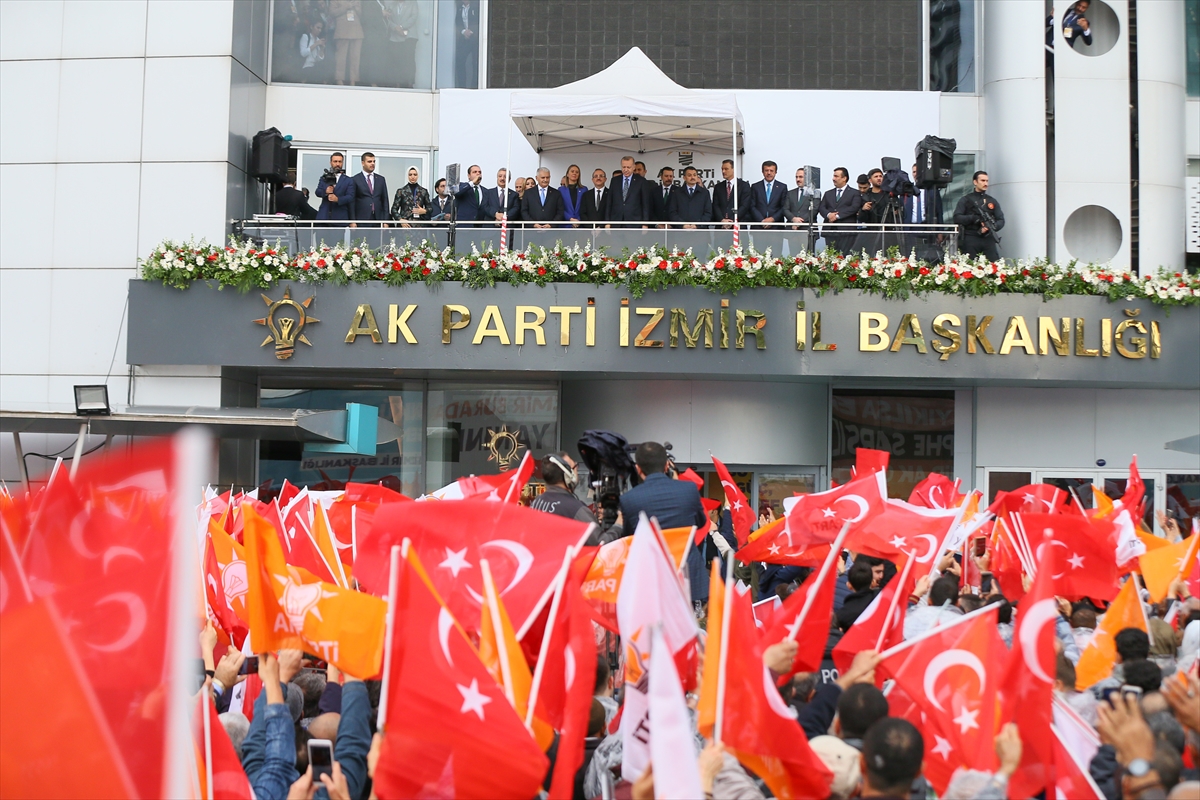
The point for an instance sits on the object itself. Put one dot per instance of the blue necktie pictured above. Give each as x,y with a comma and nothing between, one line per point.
768,192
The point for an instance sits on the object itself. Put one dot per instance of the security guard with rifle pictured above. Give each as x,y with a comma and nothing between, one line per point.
980,217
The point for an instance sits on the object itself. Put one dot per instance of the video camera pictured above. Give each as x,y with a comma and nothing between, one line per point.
608,458
896,182
330,176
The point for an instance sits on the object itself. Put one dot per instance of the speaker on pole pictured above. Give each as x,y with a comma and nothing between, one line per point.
935,162
269,156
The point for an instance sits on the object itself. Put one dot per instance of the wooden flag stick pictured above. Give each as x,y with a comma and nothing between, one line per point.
887,621
835,550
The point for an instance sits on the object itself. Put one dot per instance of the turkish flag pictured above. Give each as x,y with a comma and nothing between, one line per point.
101,548
1027,688
757,726
603,581
505,487
1006,565
902,527
14,586
229,782
818,518
941,757
953,674
524,547
230,626
878,617
739,506
1038,498
449,730
867,461
1080,551
1135,490
936,491
290,607
553,692
773,545
812,632
1072,781
577,679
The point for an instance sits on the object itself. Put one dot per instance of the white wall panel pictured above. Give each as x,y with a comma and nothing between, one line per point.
163,216
23,391
379,117
177,391
198,132
20,18
1132,422
100,235
100,110
84,323
110,29
189,28
961,119
26,218
27,93
1036,428
25,326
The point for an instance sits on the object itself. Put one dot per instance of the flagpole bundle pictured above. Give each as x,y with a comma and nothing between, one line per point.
887,621
493,611
398,551
907,643
835,550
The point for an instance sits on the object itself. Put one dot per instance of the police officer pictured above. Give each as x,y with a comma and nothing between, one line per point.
558,471
970,213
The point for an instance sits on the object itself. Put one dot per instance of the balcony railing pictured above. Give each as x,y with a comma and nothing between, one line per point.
930,242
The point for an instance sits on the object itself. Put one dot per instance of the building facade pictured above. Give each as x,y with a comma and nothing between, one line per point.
128,123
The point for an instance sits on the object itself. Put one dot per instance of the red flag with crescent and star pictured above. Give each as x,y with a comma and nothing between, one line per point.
818,518
739,506
902,527
1080,552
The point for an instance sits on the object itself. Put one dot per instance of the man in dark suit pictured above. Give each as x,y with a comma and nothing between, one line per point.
466,44
370,193
801,205
724,195
630,200
500,199
690,203
660,194
767,196
841,204
674,503
543,203
924,207
291,201
470,196
337,197
594,206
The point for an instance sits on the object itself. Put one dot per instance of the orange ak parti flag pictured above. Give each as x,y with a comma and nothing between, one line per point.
706,709
1097,659
1163,565
289,607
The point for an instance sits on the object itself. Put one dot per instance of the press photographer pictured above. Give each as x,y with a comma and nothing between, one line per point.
336,191
980,217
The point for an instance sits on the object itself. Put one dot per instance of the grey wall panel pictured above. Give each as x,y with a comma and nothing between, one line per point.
1133,421
740,423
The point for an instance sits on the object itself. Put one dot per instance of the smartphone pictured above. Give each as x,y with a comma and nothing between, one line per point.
980,546
249,666
1131,692
320,758
985,583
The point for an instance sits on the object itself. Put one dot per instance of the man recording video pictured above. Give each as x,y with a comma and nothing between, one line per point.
336,190
980,218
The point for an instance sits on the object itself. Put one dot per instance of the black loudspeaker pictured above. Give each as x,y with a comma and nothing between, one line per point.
935,162
269,156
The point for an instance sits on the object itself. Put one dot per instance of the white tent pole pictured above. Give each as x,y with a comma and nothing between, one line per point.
507,178
736,221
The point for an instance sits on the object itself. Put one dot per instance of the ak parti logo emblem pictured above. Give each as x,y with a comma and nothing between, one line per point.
286,319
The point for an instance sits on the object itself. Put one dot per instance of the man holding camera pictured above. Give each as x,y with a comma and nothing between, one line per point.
559,473
336,191
979,216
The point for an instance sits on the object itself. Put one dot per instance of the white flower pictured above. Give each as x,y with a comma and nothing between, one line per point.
199,261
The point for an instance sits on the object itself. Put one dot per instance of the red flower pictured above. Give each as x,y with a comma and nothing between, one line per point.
968,274
870,272
541,270
472,262
1043,276
662,265
853,277
719,263
492,263
753,259
675,265
320,262
1025,272
212,257
518,269
306,266
396,267
899,272
924,270
426,271
738,262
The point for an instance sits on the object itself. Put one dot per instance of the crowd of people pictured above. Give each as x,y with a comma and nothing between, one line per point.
862,218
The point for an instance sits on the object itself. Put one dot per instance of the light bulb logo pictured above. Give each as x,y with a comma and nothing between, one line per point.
503,446
286,330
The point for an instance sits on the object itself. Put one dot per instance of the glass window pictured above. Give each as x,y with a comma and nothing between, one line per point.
917,428
1006,482
458,44
396,464
964,167
1077,489
475,430
1192,17
1115,489
775,487
952,46
384,43
391,164
1183,497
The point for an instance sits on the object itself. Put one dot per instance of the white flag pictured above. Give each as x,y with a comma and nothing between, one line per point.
672,746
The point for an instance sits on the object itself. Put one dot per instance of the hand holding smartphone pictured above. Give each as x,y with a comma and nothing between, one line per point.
320,758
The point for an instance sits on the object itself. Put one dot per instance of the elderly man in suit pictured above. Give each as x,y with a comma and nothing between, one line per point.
337,197
370,193
690,203
801,204
726,192
630,201
841,205
542,204
502,199
767,196
594,206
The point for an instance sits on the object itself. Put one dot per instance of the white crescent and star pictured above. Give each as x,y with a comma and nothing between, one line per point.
137,621
473,699
944,661
568,667
1035,619
445,623
518,551
75,537
863,506
1041,547
933,543
117,551
455,561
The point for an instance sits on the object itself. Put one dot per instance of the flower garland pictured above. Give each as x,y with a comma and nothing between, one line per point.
246,266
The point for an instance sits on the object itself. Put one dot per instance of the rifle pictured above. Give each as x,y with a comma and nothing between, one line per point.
986,218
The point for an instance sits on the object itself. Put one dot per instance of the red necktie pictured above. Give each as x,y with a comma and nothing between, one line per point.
729,189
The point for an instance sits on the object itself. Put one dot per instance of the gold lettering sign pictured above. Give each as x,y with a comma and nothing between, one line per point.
976,334
589,334
1017,335
286,330
1080,350
450,324
491,324
398,323
1138,342
818,345
724,340
1047,333
534,326
643,338
624,341
364,325
940,328
873,325
691,336
564,322
909,332
756,330
801,325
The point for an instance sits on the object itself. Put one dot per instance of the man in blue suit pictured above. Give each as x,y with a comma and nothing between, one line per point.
472,204
337,197
676,504
691,203
767,196
370,193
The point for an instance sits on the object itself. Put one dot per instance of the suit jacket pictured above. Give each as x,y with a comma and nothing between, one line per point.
933,206
293,202
659,205
676,504
760,209
590,210
404,202
572,200
439,206
367,204
532,209
344,192
847,208
468,209
491,204
694,207
634,206
722,203
800,205
472,19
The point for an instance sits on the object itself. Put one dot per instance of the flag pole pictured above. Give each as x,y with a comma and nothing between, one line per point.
907,643
208,770
887,621
520,467
1022,538
539,670
398,551
723,660
1137,590
489,598
835,550
333,541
